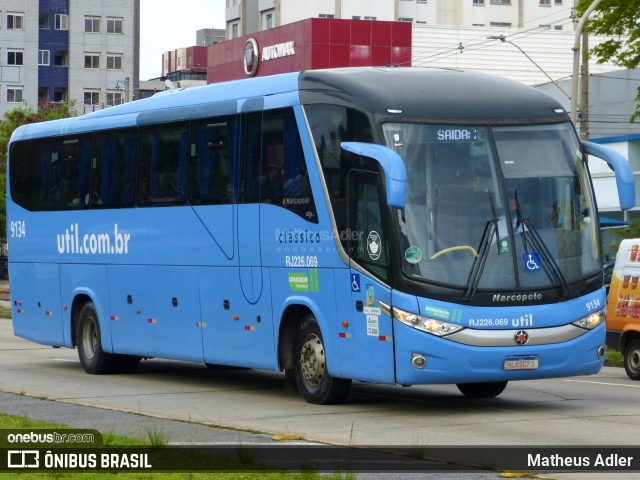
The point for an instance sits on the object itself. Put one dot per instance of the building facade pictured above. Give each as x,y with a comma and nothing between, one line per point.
244,17
310,44
68,51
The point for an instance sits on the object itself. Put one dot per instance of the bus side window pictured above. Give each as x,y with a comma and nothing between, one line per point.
162,169
69,172
251,156
367,242
113,169
29,174
210,161
284,175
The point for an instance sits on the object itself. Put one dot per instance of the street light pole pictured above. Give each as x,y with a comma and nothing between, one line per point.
576,61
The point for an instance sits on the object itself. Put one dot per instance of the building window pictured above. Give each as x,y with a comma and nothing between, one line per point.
114,25
43,93
114,98
92,24
500,24
60,94
62,21
234,30
421,1
355,17
478,2
326,15
14,94
370,18
44,57
61,58
558,2
501,2
405,19
545,26
545,3
92,60
557,27
43,21
15,58
92,97
268,21
114,62
15,21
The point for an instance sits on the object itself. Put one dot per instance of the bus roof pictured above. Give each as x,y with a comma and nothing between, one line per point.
433,94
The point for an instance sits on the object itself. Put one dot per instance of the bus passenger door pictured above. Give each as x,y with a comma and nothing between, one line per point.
371,329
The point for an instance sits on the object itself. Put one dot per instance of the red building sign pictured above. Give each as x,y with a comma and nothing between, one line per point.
314,43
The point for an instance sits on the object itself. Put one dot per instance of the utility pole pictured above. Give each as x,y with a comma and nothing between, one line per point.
584,73
127,95
576,60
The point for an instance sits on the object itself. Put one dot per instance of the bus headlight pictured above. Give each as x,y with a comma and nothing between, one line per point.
590,321
426,324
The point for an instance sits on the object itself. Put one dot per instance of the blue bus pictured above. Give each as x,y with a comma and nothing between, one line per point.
393,225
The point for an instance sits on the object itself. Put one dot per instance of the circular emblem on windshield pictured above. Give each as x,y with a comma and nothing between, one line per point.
521,337
251,57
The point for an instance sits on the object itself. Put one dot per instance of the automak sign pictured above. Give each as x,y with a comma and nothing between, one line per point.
270,52
278,50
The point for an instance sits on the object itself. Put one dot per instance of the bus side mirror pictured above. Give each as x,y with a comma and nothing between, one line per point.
395,172
625,180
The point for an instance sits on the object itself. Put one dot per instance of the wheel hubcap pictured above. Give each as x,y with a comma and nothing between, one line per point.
634,360
89,339
312,359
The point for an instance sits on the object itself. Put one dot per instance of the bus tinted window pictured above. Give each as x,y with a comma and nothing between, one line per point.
69,172
210,167
330,125
29,174
162,168
275,171
113,169
251,154
284,171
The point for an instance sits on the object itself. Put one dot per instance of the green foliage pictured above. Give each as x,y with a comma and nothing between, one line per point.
13,119
616,18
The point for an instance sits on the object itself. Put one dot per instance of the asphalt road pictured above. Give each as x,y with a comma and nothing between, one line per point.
230,405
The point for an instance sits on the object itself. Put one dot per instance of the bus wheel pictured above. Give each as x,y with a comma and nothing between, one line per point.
632,359
313,380
482,390
94,360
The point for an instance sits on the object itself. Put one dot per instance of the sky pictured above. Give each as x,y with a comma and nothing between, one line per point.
167,25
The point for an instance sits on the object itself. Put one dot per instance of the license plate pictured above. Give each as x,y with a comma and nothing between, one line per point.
521,362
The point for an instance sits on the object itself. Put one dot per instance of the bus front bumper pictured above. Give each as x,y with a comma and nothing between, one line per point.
422,358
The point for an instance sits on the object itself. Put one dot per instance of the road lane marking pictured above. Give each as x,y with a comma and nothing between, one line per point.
603,383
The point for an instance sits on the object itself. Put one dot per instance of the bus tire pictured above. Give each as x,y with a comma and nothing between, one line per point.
314,382
94,360
632,359
482,390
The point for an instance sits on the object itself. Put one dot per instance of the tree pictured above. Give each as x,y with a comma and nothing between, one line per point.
616,18
13,119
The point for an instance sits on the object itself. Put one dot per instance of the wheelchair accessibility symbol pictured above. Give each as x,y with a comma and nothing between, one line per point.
531,262
355,282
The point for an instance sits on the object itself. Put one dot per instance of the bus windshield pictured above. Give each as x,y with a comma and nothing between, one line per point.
509,206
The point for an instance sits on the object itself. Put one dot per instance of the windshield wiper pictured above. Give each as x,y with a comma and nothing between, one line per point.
549,265
490,229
